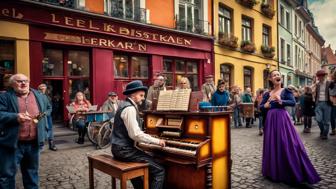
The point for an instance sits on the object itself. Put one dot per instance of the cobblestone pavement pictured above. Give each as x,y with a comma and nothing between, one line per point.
69,168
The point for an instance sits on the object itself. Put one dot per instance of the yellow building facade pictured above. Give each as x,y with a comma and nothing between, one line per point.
18,34
240,24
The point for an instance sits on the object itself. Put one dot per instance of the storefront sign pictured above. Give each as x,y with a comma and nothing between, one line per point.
84,22
112,28
95,41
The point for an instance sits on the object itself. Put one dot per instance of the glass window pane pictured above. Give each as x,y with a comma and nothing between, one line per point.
139,67
167,65
189,19
129,9
120,66
169,79
182,19
193,82
180,66
191,67
52,63
7,60
79,63
82,85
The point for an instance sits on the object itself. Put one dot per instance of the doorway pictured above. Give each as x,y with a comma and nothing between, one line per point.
55,94
66,70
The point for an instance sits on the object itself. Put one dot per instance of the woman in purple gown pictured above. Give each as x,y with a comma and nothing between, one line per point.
284,156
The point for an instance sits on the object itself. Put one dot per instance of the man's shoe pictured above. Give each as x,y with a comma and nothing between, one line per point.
260,132
308,130
324,137
333,132
52,145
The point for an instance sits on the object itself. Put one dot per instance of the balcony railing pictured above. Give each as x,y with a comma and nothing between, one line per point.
63,3
199,26
139,14
136,14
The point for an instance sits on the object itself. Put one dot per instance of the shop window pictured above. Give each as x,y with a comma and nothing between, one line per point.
82,85
139,67
52,63
7,59
174,69
60,66
248,74
226,73
78,63
134,67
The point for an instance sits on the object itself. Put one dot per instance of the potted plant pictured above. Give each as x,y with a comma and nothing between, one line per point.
248,3
267,10
228,40
247,46
268,51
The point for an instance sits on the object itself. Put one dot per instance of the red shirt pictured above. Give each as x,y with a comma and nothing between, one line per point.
28,130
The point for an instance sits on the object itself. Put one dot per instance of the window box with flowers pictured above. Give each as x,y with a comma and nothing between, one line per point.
247,46
267,10
268,51
248,3
228,40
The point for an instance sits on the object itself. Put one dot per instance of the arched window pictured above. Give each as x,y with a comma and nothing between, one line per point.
248,77
226,73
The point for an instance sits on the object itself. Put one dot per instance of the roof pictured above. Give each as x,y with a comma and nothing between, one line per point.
328,55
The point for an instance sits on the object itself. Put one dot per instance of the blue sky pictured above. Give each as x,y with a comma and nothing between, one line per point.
325,18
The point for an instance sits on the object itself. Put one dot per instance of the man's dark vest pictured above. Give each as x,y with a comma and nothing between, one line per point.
317,95
120,134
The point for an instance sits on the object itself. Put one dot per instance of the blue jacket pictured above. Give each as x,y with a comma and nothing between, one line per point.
220,98
9,125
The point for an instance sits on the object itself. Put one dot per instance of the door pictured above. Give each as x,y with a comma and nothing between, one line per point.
56,96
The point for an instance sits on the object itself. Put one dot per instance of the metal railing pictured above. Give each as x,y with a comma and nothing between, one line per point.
199,26
139,14
63,3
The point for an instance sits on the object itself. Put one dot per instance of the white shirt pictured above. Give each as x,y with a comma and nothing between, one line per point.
322,96
128,115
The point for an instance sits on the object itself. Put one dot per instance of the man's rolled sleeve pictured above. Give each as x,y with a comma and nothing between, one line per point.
128,115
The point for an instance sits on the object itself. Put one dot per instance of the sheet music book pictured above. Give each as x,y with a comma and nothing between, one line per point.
174,100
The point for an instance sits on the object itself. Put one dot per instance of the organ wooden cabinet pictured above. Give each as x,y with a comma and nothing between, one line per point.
197,152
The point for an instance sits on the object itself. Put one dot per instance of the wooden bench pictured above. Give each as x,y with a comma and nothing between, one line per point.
117,169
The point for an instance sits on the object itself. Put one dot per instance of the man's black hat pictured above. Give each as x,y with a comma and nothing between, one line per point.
134,86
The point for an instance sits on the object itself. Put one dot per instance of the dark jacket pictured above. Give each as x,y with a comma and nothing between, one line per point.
9,125
308,105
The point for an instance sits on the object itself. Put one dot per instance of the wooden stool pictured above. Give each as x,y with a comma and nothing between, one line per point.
117,169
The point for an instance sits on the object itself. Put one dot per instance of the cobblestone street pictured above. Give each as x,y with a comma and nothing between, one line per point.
69,168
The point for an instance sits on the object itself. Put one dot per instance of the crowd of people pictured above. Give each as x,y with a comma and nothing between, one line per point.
25,121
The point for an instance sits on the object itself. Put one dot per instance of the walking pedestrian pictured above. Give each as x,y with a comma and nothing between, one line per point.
307,106
322,104
50,132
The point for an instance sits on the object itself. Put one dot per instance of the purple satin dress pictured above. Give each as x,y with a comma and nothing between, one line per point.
284,156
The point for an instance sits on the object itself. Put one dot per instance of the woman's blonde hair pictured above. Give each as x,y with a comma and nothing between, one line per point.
184,80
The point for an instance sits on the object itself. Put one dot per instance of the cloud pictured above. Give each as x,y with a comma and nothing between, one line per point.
324,16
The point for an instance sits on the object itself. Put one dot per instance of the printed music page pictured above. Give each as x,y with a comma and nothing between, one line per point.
174,100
